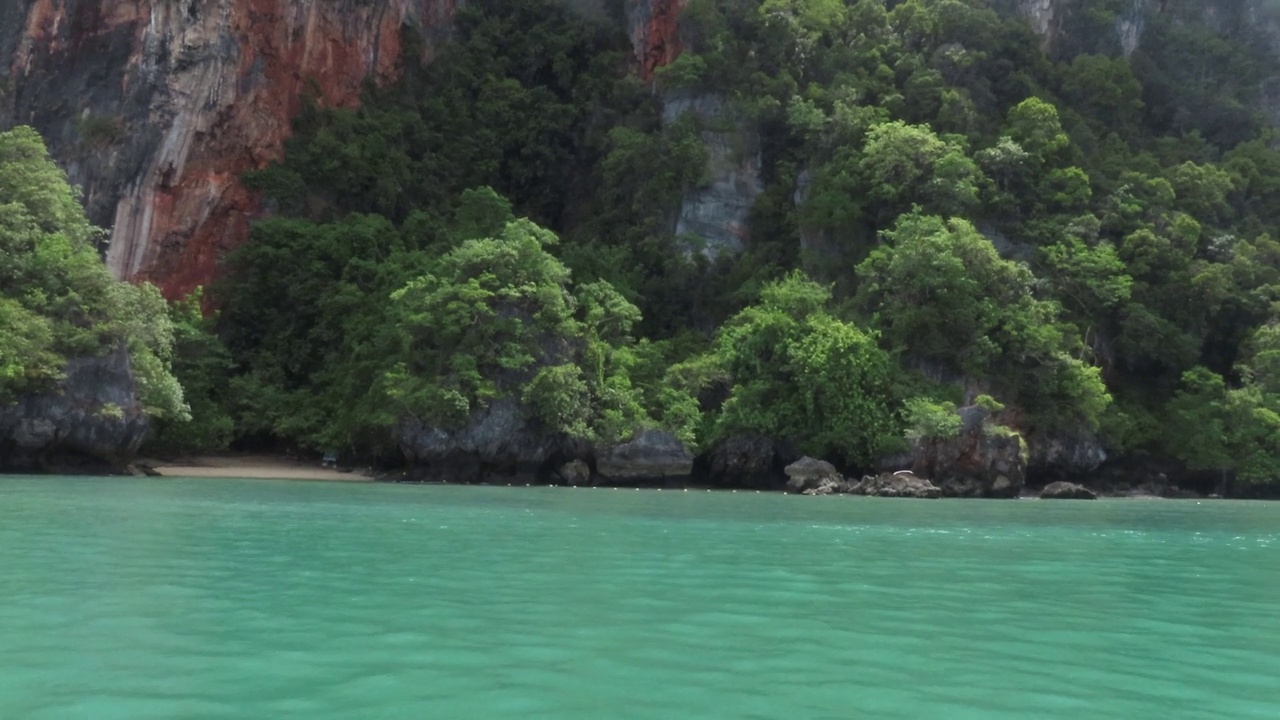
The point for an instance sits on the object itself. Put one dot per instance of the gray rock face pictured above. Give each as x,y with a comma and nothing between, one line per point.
500,445
93,422
499,442
1066,491
156,108
717,212
813,477
746,462
651,456
1060,455
1242,22
903,483
976,463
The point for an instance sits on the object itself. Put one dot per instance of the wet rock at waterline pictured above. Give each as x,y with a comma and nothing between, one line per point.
1063,490
814,477
650,456
92,421
746,462
903,483
981,461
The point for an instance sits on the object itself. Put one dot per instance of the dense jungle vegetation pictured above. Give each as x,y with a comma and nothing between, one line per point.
57,300
948,210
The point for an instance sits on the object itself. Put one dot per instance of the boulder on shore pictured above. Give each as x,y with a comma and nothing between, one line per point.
574,472
1063,490
649,456
903,483
814,477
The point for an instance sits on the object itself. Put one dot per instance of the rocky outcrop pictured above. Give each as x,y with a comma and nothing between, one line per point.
499,444
811,476
745,462
93,421
717,212
1064,456
1062,490
156,108
981,461
574,472
651,457
904,484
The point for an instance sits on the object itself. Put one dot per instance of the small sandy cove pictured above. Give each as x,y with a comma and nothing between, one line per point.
271,467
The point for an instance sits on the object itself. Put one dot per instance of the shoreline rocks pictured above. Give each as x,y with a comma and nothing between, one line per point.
810,476
981,461
1062,490
902,484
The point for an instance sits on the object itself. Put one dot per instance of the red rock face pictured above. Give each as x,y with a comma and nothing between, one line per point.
656,37
185,96
213,85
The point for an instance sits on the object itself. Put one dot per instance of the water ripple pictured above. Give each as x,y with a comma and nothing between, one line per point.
212,599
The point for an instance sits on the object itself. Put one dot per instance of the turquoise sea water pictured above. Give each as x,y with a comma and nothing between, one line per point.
157,598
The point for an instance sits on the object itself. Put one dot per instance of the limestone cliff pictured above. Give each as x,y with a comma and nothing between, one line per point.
1053,19
1065,26
155,107
717,212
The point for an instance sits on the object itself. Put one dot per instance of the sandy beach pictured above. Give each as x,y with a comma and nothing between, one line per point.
256,466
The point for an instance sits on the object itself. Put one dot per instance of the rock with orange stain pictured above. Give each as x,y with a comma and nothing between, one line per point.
654,30
155,109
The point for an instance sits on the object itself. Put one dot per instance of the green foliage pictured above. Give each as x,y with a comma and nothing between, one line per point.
1033,222
796,372
100,130
908,163
941,295
1235,430
928,419
1034,125
988,403
26,355
496,317
202,366
305,322
57,300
